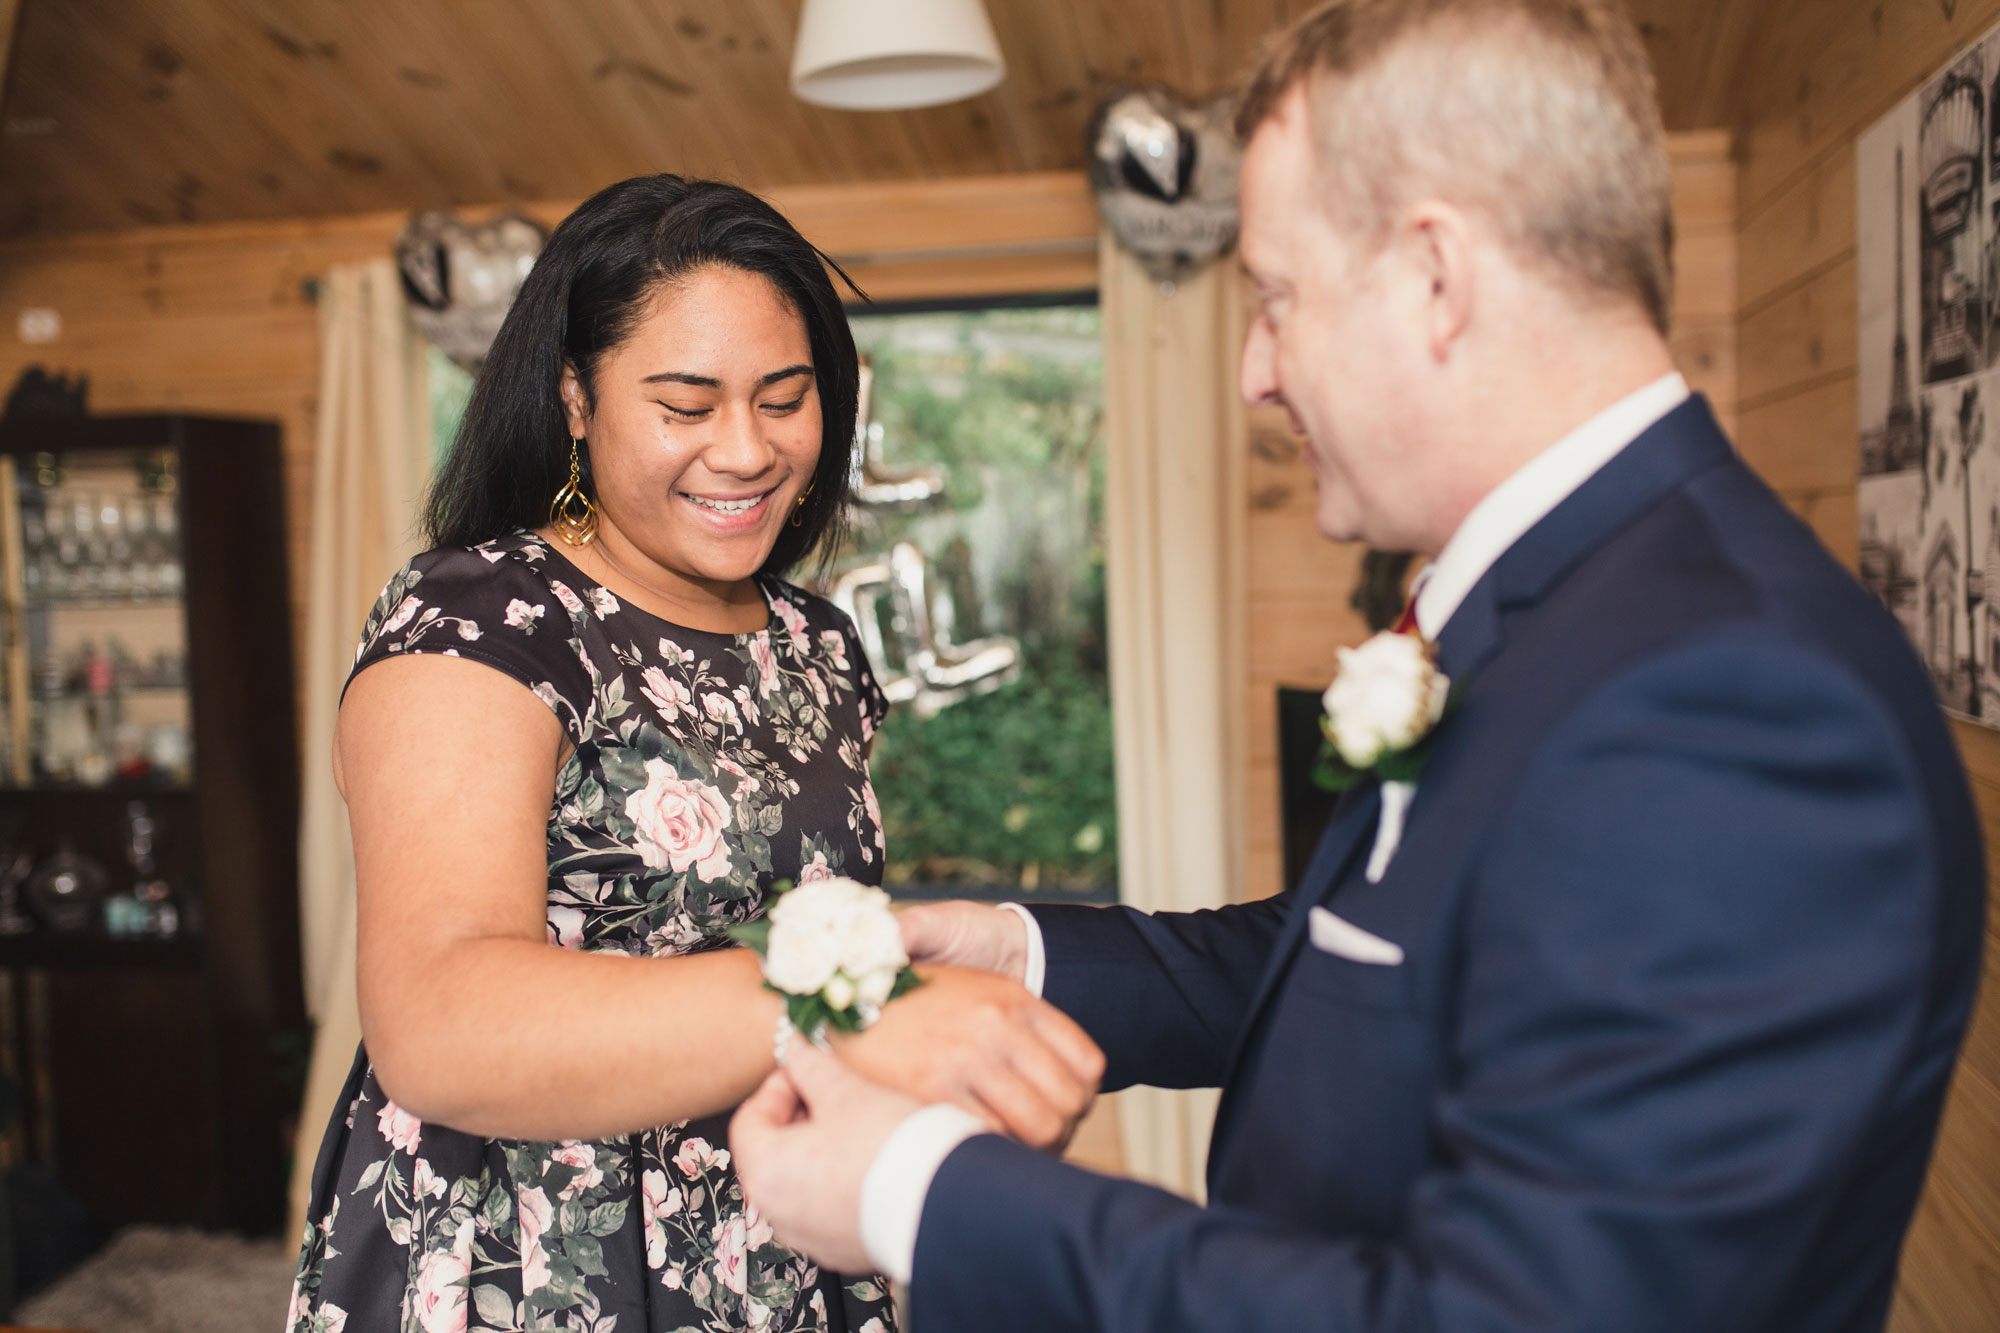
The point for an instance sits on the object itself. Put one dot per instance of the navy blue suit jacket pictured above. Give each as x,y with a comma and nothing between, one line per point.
1691,901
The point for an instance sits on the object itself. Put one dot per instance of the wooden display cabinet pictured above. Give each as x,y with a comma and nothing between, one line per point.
146,629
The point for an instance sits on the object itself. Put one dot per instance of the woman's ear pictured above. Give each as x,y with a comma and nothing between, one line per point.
576,403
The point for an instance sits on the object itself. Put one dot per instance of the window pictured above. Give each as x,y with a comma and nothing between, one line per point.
981,567
978,570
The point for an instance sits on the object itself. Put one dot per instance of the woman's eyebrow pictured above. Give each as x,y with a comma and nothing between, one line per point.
710,382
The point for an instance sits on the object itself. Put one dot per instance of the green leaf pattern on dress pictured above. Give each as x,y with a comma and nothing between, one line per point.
704,768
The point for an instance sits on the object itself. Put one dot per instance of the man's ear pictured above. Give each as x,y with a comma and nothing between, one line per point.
1441,248
576,403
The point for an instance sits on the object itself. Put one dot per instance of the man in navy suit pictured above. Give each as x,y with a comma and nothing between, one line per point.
1637,1011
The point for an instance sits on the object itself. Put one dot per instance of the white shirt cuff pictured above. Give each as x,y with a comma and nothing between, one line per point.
1036,970
892,1193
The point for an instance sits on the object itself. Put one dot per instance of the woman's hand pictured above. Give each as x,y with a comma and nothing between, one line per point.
982,1042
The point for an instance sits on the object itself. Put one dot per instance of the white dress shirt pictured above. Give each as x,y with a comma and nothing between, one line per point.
892,1193
1527,497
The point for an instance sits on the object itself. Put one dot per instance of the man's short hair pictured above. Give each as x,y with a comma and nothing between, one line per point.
1541,114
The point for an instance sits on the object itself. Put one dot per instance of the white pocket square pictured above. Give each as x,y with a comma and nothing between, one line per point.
1342,939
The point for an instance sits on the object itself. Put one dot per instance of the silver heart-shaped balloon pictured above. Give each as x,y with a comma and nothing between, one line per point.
1164,172
460,279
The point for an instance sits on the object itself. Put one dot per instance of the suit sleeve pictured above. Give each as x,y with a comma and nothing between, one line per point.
1163,994
1695,964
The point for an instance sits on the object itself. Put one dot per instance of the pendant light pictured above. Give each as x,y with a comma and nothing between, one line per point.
889,55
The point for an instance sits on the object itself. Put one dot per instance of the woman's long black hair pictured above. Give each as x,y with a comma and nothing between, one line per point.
581,299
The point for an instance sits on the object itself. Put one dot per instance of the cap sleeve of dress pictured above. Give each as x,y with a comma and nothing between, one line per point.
490,606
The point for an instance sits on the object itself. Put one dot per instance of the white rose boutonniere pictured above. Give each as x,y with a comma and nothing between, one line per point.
1381,710
833,949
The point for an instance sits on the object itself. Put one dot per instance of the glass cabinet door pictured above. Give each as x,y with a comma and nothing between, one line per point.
91,575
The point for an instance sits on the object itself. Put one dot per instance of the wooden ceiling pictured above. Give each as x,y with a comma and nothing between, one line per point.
122,113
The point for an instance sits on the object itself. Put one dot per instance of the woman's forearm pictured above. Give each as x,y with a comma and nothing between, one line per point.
511,1038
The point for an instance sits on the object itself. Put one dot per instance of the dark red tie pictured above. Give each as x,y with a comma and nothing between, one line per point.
1407,622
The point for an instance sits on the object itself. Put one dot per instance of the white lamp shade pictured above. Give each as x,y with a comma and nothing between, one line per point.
885,55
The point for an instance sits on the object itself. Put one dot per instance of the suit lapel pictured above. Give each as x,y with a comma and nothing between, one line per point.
1347,835
1664,458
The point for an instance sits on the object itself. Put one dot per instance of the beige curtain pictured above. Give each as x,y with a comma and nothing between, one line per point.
1175,514
371,460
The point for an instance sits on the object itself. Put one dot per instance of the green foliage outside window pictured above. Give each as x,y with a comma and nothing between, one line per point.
1009,793
450,390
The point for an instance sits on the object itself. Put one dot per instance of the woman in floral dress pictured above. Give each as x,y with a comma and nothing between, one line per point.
610,727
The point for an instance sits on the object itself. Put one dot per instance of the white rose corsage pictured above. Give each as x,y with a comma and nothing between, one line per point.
1381,710
833,949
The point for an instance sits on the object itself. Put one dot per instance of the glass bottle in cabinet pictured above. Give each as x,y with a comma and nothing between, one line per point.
94,632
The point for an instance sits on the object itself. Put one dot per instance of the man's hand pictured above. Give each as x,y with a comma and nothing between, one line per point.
982,1043
802,1146
962,934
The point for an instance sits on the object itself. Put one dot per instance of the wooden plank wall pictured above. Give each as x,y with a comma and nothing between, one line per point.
1825,73
1299,585
215,318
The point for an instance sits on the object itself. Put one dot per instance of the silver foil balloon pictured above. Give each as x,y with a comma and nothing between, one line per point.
922,667
1164,172
460,279
872,482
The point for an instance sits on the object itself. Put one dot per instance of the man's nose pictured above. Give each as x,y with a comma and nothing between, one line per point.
1257,374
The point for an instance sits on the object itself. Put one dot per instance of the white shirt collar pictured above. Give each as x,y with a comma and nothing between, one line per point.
1525,498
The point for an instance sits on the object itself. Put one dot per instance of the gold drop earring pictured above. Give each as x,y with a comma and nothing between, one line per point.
576,527
797,517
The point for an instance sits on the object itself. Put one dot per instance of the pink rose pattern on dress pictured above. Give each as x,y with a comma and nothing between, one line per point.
582,1158
570,601
665,693
721,708
765,659
705,767
680,824
401,1129
566,927
522,616
442,1292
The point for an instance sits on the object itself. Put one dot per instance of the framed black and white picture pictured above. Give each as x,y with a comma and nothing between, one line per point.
1928,315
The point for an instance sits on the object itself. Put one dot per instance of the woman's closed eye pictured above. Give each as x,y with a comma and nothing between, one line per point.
783,409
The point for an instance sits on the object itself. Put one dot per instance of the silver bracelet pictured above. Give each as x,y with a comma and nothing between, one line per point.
781,1038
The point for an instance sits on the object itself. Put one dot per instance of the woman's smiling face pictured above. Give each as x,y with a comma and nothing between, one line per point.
705,430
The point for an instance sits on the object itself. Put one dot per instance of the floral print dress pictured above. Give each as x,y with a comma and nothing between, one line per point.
706,766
